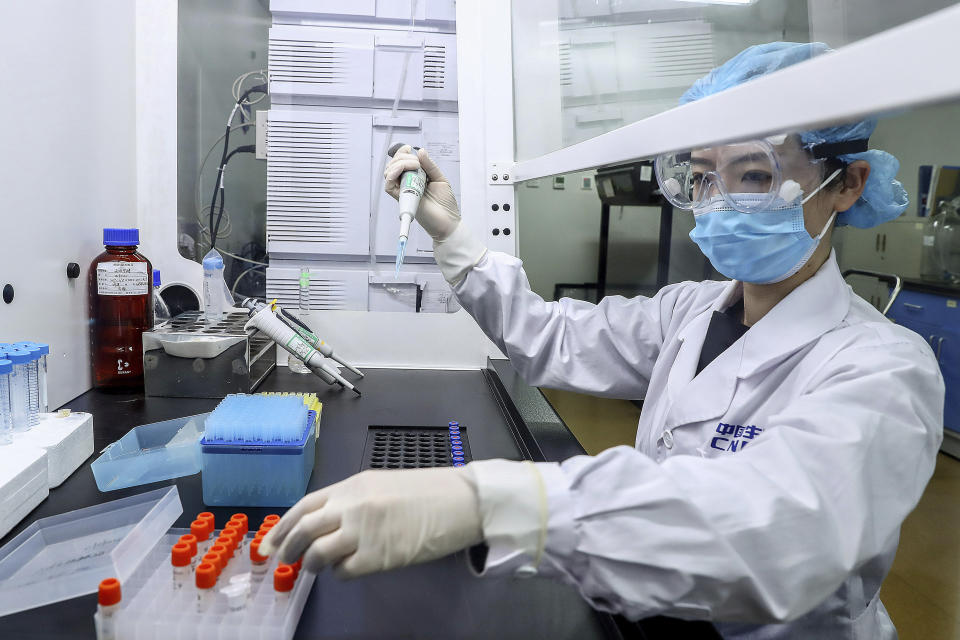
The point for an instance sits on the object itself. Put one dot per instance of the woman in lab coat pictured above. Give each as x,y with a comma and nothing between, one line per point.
787,431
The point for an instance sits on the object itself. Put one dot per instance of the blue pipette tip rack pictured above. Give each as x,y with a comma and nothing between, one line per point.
258,451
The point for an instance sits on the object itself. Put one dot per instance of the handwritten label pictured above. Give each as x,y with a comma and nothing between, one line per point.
122,279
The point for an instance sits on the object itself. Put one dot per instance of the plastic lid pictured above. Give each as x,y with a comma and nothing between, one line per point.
266,526
453,423
201,529
255,552
180,555
121,237
213,262
108,540
109,592
216,559
44,348
223,550
283,578
271,518
19,356
32,349
191,540
235,525
242,519
156,277
297,566
206,575
206,515
5,366
231,535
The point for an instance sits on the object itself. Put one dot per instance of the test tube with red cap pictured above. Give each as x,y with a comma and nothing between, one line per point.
237,527
283,579
191,540
205,580
222,550
180,558
231,538
258,562
108,602
268,522
201,529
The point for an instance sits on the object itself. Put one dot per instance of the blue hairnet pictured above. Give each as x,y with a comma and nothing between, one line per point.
883,197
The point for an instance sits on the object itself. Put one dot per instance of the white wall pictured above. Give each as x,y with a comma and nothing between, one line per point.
559,232
68,167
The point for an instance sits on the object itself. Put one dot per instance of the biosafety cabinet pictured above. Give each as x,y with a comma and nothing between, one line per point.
501,92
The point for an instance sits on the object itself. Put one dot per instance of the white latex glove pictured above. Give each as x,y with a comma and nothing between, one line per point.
454,247
379,520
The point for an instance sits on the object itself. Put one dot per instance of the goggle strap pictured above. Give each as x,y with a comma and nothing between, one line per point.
833,149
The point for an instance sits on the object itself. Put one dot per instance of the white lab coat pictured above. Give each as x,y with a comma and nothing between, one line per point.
768,489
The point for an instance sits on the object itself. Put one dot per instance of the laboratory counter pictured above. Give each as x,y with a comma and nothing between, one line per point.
502,417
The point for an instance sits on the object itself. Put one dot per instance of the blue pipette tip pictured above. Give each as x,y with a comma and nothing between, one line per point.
401,249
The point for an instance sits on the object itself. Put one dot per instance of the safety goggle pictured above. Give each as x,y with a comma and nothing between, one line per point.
750,176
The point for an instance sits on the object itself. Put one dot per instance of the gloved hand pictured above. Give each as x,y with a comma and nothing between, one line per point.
379,520
454,247
438,213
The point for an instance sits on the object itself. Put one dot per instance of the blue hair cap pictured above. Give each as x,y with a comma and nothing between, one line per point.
883,197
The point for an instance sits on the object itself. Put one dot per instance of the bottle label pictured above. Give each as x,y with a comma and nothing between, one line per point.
122,279
928,241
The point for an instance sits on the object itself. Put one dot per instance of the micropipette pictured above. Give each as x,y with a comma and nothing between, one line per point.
265,318
412,184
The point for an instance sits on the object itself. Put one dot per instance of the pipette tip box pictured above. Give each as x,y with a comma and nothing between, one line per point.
258,474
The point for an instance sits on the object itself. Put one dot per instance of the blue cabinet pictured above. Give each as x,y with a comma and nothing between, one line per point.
935,315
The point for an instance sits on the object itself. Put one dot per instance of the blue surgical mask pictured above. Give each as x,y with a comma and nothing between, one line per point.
763,247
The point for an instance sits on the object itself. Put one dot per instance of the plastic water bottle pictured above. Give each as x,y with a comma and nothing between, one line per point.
121,309
19,389
161,312
6,420
303,312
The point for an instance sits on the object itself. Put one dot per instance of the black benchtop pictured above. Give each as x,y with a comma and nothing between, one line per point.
436,600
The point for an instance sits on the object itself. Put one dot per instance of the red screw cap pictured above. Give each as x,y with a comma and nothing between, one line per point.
201,529
191,540
109,592
180,555
206,575
283,578
255,552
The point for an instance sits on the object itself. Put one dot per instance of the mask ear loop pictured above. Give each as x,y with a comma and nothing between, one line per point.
822,185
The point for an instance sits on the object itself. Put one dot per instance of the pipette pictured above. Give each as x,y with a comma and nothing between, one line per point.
264,317
412,184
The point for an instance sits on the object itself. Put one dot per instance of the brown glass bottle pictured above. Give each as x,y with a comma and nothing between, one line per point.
120,304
